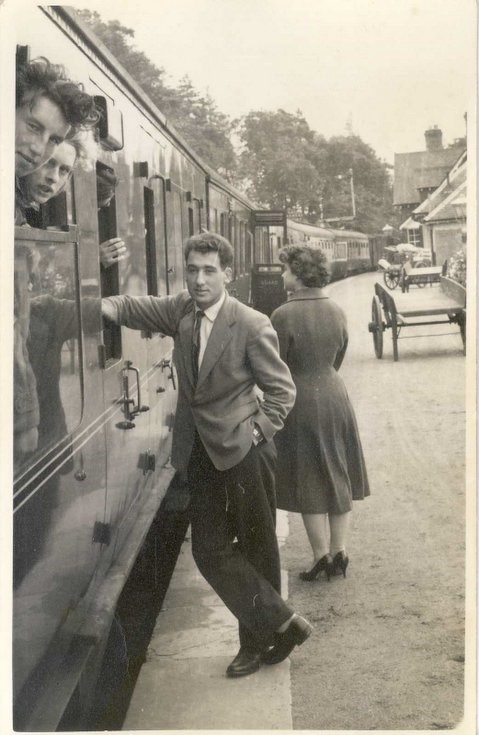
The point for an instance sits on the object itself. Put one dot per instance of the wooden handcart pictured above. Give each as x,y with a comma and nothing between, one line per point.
445,305
391,273
397,257
419,275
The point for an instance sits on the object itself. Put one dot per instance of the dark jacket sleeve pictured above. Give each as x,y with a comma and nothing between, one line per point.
273,377
154,313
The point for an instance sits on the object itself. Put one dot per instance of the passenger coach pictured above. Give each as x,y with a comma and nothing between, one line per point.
85,501
347,252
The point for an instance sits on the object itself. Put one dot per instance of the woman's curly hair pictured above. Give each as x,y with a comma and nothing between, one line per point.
42,78
306,262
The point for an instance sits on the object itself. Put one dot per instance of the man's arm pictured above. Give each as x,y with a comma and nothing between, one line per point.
153,313
273,377
110,311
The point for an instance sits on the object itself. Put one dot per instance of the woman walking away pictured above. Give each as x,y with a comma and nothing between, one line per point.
321,467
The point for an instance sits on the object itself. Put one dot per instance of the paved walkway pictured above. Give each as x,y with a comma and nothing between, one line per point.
183,686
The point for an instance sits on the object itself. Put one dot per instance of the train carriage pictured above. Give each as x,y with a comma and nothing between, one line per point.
358,255
232,218
85,501
347,252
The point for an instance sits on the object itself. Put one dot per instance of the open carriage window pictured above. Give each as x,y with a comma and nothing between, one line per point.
106,182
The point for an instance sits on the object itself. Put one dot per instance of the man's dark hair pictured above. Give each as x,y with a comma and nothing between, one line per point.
40,78
307,263
210,242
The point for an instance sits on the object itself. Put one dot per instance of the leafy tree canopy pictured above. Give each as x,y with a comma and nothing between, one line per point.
281,162
289,165
194,116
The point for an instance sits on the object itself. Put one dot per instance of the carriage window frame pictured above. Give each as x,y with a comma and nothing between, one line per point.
109,277
71,363
175,215
150,241
191,222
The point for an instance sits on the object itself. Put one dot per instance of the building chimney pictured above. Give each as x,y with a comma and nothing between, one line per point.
433,139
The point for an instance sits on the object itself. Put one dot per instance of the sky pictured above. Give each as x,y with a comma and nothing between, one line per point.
387,69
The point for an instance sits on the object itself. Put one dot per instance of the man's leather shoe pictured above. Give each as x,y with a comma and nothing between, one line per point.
295,634
245,662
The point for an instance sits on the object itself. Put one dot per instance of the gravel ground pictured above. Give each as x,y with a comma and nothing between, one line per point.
388,650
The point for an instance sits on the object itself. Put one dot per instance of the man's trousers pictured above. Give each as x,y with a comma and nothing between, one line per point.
234,540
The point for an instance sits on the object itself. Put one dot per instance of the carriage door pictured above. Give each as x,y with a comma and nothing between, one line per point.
175,237
161,371
266,290
125,366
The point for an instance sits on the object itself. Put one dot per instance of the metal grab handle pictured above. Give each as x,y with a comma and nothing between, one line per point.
125,401
164,363
171,377
138,408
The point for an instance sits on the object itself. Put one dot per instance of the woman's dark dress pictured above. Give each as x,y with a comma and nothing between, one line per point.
321,466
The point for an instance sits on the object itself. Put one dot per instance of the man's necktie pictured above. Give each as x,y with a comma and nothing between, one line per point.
196,345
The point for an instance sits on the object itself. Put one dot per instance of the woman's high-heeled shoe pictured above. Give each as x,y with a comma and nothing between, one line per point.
325,563
340,563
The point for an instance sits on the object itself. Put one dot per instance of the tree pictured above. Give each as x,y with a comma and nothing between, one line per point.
195,117
346,156
205,128
279,161
282,162
286,164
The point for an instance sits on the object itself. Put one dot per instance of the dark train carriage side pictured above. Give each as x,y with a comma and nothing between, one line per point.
85,500
358,252
230,216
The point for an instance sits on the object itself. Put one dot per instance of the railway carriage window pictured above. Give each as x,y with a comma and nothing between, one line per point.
223,225
191,224
249,250
234,241
150,241
175,242
48,361
106,182
197,212
161,235
242,247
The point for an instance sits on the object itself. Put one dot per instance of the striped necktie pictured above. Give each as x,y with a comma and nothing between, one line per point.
196,344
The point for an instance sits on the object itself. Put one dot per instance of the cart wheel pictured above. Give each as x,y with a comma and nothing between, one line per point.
391,279
377,327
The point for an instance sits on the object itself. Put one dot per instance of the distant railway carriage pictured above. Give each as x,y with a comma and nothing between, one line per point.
347,252
358,256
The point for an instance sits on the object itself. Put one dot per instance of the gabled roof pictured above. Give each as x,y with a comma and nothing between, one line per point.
421,170
453,179
444,210
410,224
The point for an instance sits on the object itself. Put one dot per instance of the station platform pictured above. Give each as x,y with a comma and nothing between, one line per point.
183,685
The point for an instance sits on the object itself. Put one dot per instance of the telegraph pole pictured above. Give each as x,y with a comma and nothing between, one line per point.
353,199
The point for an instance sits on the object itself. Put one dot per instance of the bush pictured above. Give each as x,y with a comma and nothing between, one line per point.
457,267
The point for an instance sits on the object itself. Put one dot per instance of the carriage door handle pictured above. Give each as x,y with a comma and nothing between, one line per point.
163,364
129,408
